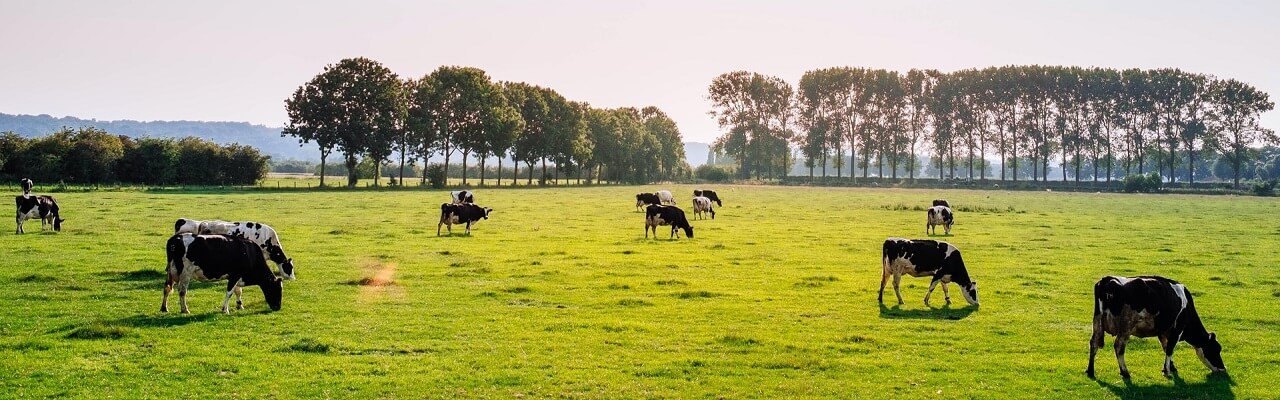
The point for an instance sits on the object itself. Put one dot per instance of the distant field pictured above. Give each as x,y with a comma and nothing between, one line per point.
560,295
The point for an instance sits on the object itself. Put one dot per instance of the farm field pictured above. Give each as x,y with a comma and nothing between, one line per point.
560,295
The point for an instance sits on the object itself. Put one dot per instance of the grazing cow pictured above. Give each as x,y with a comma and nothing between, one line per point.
262,234
217,257
666,197
266,238
939,215
1147,306
43,207
26,187
702,205
657,214
941,202
463,197
919,258
457,214
644,199
710,194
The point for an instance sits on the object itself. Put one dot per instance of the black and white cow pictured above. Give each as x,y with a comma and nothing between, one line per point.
941,202
463,197
939,215
44,208
26,186
458,214
666,197
265,236
218,257
1147,306
644,199
657,214
920,258
702,205
710,194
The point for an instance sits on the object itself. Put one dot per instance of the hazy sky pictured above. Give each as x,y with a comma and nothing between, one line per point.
239,60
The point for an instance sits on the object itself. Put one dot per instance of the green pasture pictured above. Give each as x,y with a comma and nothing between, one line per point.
560,295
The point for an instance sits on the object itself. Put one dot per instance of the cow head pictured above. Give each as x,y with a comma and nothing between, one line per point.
272,291
487,210
1211,354
970,292
57,224
688,231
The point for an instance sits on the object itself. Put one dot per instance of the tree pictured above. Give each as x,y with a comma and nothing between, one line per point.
354,105
754,109
1237,108
527,143
457,102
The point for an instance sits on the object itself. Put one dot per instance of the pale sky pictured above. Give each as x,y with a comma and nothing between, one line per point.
239,60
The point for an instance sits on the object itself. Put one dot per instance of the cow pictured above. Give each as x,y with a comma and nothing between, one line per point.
666,197
657,214
262,234
702,205
218,257
710,194
26,187
456,214
43,207
941,202
1147,306
463,197
920,258
644,199
199,227
939,215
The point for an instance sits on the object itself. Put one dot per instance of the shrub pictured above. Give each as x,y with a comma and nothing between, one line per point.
1149,183
1265,188
436,176
711,173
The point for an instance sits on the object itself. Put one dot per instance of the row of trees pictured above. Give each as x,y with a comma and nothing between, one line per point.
93,156
1075,117
360,109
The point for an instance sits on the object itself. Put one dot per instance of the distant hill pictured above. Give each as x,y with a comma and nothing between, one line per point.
264,138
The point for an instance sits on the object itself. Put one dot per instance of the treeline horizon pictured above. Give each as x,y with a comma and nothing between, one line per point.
1106,119
94,156
362,110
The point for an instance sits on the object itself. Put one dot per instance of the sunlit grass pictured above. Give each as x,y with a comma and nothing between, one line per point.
560,295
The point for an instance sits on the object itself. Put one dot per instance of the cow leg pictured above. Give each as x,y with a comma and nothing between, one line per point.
226,299
239,299
673,232
884,278
168,288
1168,344
182,296
19,221
1096,342
896,280
468,229
946,293
1121,341
646,231
438,228
929,293
947,229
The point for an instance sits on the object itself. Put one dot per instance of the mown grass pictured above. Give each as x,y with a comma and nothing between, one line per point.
560,295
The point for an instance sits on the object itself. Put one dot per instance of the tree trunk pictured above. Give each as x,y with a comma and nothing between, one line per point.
543,178
529,165
499,173
323,155
402,149
465,154
482,166
351,170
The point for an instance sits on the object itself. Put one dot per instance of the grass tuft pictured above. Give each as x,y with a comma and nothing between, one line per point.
732,340
35,278
642,303
309,345
696,294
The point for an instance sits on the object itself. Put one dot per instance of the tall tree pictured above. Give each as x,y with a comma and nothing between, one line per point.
1237,108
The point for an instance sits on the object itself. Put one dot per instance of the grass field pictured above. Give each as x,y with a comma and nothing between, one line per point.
560,295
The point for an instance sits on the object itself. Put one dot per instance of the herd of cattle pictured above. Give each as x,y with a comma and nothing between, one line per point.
240,252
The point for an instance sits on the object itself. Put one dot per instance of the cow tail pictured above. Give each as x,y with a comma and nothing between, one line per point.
884,256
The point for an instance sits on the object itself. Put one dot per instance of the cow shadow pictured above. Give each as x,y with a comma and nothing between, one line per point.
164,320
1215,386
943,313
